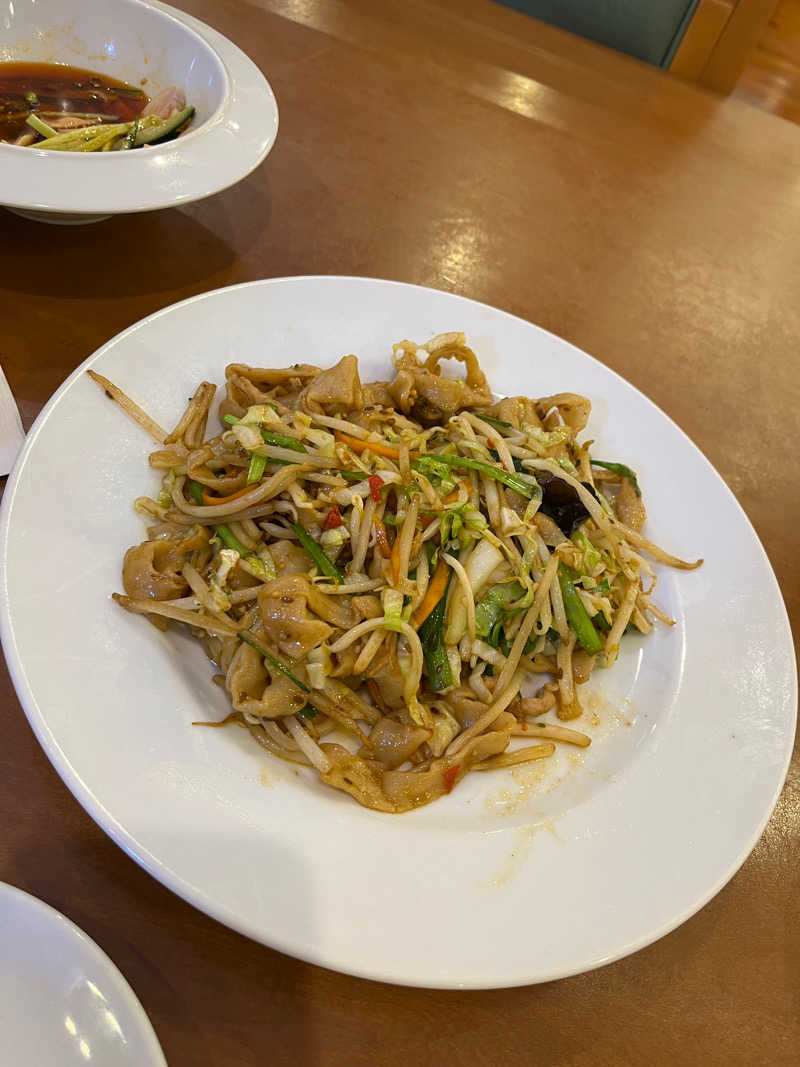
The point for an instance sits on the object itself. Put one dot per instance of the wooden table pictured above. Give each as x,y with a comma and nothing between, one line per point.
458,144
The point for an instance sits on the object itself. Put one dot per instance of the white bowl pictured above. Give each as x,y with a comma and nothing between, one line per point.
63,1003
234,128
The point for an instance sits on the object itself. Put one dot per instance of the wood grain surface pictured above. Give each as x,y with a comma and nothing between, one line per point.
459,144
771,77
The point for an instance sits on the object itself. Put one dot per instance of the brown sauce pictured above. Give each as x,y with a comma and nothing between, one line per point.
52,88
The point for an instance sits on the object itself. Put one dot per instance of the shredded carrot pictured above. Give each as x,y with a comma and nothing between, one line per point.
209,498
454,495
433,594
380,537
369,446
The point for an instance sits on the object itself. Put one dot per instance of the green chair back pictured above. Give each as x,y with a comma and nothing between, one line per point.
648,29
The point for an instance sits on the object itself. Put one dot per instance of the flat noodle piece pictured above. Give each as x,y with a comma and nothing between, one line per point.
152,570
421,390
629,507
246,386
400,791
573,409
335,390
393,742
256,692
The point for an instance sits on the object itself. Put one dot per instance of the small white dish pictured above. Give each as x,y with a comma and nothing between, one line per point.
515,877
12,434
235,125
62,1000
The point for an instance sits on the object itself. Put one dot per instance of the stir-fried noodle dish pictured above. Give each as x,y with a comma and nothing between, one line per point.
398,582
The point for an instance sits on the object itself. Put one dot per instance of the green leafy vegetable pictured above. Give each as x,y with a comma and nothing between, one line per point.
432,466
493,606
591,556
195,491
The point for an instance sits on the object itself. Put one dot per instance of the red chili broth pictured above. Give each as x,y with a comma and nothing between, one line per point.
63,89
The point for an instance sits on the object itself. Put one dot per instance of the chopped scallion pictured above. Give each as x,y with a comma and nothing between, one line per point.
577,615
426,461
317,555
621,470
256,470
230,540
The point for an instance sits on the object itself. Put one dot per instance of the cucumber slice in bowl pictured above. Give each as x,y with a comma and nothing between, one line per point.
165,130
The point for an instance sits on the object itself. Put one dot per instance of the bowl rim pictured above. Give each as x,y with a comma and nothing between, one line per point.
223,150
206,46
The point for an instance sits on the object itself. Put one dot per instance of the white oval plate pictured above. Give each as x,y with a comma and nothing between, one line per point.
508,880
62,1000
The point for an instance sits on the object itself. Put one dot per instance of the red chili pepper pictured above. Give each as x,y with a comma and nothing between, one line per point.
375,486
333,519
449,777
